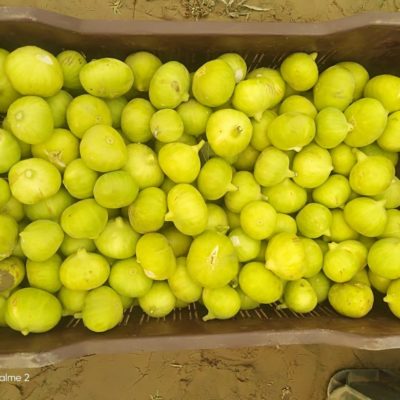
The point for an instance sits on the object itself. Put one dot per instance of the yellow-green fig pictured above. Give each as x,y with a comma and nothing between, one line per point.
392,297
335,88
300,70
212,261
259,283
312,166
31,310
291,131
143,65
366,216
213,83
187,209
169,86
228,132
221,303
285,256
384,88
368,119
354,300
147,212
383,258
155,255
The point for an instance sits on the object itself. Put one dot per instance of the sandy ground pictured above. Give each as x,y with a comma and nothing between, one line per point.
289,373
253,10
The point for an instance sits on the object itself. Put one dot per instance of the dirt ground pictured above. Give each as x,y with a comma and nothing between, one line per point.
289,373
251,10
265,373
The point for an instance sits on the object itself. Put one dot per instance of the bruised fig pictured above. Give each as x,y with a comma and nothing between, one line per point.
155,255
60,149
212,261
71,63
169,85
237,63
